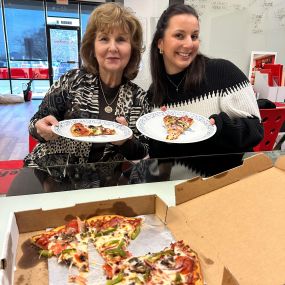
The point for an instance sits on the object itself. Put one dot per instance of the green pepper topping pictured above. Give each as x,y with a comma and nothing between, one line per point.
116,251
118,279
178,279
147,274
45,253
112,242
68,250
155,256
105,232
135,233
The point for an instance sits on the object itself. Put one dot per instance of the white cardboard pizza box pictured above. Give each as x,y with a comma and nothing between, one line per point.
244,220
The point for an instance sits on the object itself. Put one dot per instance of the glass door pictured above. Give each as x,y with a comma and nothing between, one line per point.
63,50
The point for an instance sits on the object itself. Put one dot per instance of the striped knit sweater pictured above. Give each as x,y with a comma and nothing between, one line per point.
225,95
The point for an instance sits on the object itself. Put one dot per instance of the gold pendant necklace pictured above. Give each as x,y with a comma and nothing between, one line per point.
108,109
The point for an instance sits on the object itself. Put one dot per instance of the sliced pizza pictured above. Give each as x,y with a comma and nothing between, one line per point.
110,236
175,126
177,264
81,130
68,243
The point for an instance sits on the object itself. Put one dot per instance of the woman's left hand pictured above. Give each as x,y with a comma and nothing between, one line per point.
123,121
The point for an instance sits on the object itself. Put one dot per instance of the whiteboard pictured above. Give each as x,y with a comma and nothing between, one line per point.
232,29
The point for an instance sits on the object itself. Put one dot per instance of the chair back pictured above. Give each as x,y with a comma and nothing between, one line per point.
32,143
272,120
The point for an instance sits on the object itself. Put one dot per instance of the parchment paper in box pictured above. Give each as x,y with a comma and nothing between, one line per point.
243,220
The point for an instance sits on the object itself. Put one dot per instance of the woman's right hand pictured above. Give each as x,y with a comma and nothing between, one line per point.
43,127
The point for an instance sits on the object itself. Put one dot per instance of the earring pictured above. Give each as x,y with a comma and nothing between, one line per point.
161,51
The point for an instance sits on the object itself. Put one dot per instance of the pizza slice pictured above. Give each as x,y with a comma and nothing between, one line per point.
175,126
111,236
185,122
81,130
68,243
174,131
177,264
100,130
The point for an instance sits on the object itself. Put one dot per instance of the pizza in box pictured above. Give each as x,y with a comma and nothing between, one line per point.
111,234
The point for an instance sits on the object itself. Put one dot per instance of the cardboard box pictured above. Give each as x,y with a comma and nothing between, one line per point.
244,219
234,221
32,270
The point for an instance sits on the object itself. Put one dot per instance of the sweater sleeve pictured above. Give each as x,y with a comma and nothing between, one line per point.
237,134
238,125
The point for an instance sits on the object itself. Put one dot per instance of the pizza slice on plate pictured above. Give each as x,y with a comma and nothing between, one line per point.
175,126
81,130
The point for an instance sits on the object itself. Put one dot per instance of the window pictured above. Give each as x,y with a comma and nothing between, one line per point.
26,37
5,87
86,10
64,11
38,87
3,59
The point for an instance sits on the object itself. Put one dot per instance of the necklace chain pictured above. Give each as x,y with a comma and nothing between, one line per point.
176,85
108,108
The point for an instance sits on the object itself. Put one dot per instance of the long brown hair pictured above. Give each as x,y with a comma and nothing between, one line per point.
105,18
194,72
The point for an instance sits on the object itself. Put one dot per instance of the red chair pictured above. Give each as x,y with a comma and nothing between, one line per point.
272,120
32,143
8,171
10,168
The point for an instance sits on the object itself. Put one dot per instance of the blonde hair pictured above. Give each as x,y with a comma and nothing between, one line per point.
106,18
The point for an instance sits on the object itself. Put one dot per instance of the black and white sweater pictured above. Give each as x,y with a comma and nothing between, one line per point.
225,95
76,95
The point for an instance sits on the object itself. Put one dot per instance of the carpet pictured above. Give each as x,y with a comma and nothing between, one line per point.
8,171
11,99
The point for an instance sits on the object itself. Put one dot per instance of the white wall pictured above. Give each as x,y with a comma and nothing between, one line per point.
148,11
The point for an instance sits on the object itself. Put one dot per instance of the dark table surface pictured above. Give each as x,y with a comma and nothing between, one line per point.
93,175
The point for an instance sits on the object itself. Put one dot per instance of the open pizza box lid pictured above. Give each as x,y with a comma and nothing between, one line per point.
244,221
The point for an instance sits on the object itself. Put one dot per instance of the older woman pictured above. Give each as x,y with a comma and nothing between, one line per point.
111,52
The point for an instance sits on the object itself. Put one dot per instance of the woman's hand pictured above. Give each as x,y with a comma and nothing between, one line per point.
123,121
43,127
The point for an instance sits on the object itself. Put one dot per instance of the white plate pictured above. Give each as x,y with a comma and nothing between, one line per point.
122,132
151,125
